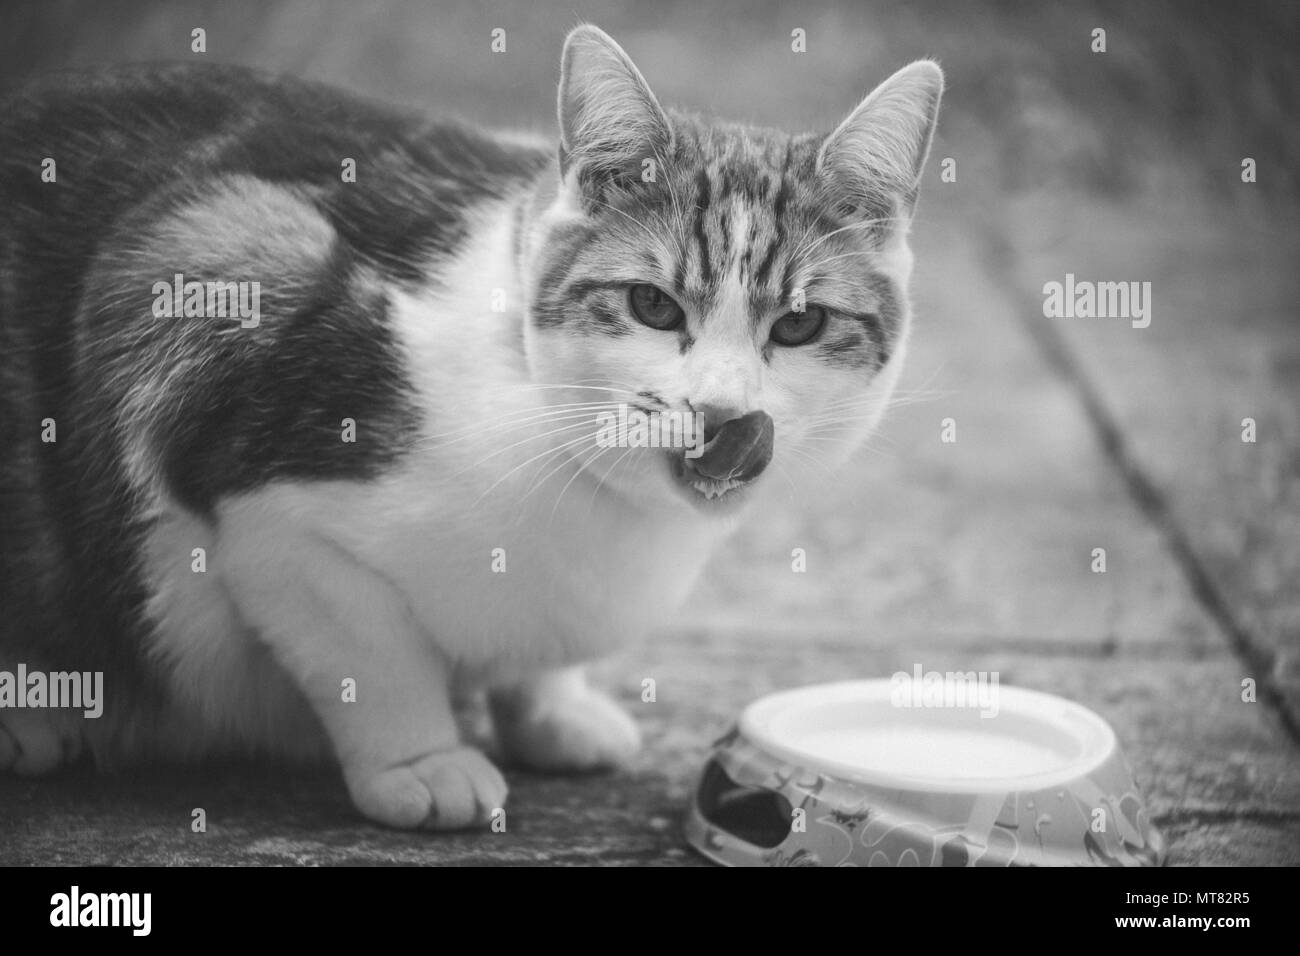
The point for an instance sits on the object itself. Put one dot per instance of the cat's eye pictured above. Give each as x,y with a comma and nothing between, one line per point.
654,307
798,328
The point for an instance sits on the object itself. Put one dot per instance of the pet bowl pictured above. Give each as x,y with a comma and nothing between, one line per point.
844,775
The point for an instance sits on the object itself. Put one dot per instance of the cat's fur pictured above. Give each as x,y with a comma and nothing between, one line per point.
464,303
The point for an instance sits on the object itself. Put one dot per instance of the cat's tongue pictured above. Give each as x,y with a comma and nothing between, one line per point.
739,451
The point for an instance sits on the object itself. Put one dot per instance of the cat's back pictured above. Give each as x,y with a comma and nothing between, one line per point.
79,149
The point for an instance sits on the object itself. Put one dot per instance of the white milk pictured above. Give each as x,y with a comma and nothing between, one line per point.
939,753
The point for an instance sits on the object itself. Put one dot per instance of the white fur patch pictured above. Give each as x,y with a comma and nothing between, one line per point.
219,674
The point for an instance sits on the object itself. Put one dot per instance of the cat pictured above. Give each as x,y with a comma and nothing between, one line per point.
306,527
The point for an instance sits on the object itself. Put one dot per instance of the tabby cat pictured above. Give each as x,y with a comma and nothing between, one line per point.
307,525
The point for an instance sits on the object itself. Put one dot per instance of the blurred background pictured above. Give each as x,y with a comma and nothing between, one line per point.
1072,434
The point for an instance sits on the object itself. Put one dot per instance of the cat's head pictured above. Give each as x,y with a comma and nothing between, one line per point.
752,278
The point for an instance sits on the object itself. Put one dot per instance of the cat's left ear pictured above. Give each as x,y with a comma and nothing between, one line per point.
609,119
872,163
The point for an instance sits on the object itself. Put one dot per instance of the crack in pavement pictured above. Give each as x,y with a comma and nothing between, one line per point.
1001,260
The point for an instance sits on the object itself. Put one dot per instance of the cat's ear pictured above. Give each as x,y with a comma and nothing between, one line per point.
872,163
609,119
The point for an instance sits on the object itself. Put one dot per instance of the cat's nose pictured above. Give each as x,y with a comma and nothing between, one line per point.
735,448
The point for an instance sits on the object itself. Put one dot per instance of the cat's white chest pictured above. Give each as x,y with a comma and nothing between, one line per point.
510,556
510,585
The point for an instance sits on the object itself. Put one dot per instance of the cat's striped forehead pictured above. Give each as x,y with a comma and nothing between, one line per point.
729,215
749,196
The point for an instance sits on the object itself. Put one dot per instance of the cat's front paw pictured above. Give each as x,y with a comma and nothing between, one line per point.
447,790
583,732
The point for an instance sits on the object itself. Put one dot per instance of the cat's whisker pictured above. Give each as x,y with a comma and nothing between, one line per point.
924,390
518,417
842,419
814,268
545,478
594,388
829,439
583,466
868,447
922,395
657,239
615,383
564,460
805,454
607,477
872,403
679,233
501,451
799,253
505,426
511,428
876,406
835,416
803,237
830,434
850,400
846,426
903,401
550,451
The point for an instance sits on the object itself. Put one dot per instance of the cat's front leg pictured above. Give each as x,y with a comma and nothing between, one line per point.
379,687
555,721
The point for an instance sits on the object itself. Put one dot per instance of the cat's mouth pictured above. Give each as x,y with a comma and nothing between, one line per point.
705,492
732,459
708,488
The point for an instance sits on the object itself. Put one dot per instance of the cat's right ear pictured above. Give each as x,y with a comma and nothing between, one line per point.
610,121
872,163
